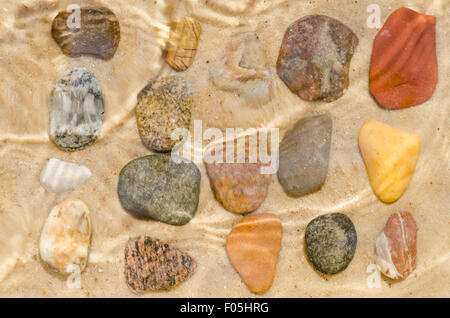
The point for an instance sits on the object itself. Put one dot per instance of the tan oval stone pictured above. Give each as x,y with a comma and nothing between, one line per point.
396,246
253,247
182,45
66,235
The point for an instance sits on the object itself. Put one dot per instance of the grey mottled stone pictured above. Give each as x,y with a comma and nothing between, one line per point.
156,187
304,155
76,110
330,242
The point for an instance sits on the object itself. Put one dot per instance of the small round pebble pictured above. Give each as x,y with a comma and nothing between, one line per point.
330,242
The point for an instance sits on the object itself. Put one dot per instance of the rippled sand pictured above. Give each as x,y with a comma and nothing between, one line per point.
30,61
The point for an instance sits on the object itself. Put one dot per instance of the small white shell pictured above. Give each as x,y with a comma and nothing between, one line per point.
65,239
59,176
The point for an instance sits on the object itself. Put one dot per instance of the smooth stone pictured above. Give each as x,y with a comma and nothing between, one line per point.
181,46
76,110
396,246
244,69
98,35
314,58
155,187
60,176
253,246
151,264
390,156
404,67
66,236
239,187
330,242
163,106
304,155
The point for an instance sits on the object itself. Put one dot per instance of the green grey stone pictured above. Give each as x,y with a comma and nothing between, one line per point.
330,242
76,110
304,155
157,187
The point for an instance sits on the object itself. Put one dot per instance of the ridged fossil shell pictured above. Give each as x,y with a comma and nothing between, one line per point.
65,239
253,247
59,176
98,33
396,246
181,46
151,264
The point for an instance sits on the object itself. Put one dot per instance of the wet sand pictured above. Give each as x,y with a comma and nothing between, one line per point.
31,62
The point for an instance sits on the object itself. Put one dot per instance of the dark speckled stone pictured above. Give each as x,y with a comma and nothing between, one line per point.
153,265
330,242
158,188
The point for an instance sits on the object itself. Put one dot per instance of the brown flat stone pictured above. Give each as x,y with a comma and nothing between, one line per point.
253,247
98,35
239,187
404,68
315,57
153,265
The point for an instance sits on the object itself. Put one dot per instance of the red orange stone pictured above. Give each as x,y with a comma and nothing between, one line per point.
253,247
396,246
404,69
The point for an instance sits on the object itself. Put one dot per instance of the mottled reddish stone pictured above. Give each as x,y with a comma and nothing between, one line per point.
153,265
404,69
396,246
315,57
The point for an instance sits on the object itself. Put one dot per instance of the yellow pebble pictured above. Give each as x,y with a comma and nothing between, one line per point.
390,156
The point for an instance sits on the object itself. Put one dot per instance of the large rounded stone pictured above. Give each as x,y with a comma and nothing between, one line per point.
304,155
314,58
163,106
330,242
76,110
159,188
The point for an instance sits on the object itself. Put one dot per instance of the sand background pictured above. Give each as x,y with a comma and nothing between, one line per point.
30,61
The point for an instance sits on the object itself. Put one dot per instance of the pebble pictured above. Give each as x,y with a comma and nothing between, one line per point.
65,239
404,67
76,110
239,187
253,247
151,264
390,156
244,70
181,46
59,176
155,187
163,106
396,246
330,242
98,35
314,58
304,155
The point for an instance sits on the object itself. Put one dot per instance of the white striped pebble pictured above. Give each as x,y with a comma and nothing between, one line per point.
59,176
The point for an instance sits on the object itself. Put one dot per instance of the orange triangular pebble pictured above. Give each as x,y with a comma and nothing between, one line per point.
404,69
253,247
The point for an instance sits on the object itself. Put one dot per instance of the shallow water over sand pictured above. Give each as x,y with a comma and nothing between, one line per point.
31,62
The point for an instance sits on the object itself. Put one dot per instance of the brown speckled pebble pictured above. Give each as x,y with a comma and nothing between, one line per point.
151,264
